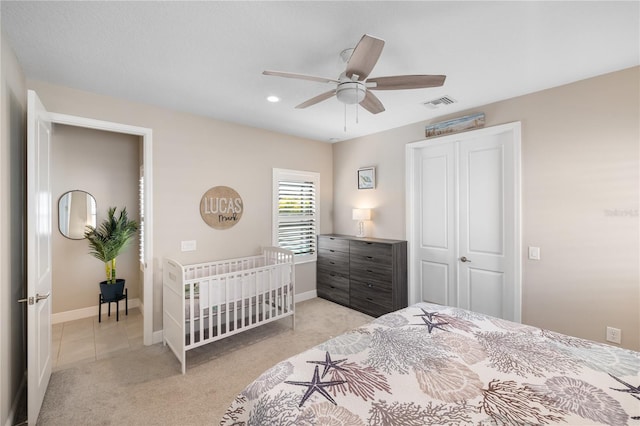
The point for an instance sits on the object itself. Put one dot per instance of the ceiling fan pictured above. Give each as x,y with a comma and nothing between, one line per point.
353,86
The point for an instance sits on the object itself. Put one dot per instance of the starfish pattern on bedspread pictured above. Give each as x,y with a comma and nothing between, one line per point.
428,319
431,325
328,364
427,314
316,385
630,389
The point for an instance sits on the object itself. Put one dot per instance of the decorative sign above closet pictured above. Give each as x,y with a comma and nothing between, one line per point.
221,207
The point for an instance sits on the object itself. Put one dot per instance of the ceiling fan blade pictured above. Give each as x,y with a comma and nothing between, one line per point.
321,97
299,76
400,82
371,103
364,57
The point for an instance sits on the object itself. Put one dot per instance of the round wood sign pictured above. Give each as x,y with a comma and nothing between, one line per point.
221,207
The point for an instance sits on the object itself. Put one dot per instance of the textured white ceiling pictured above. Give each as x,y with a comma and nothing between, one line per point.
207,58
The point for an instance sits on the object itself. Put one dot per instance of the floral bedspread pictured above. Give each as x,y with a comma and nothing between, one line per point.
434,365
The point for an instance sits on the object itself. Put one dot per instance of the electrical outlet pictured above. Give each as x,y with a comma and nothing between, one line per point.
614,335
188,245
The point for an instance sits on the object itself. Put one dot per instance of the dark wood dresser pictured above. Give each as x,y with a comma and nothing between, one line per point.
366,274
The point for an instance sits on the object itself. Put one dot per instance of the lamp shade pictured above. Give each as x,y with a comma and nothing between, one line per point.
361,214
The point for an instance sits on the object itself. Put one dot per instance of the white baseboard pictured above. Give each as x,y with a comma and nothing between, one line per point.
301,297
91,311
16,401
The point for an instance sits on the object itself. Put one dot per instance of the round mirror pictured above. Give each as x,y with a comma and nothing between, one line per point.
76,210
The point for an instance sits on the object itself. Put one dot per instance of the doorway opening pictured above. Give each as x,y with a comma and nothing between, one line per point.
143,201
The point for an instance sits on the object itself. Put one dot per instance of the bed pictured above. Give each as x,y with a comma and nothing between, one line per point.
206,302
433,365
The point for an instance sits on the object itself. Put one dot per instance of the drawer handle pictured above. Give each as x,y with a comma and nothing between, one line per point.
370,257
369,243
369,299
369,285
332,274
369,270
331,238
331,286
332,251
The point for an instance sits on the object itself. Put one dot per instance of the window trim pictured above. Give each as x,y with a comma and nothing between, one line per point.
294,175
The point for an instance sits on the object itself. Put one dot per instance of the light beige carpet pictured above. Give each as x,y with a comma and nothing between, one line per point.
146,387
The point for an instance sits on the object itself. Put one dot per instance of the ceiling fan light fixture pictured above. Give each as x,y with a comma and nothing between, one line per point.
351,92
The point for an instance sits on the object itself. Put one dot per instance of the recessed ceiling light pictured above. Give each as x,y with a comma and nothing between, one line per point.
273,98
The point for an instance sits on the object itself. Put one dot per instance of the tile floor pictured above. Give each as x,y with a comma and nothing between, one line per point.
87,340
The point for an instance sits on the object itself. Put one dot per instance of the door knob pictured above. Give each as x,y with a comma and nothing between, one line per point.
40,297
32,300
464,259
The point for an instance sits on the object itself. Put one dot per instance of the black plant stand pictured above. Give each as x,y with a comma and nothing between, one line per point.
116,300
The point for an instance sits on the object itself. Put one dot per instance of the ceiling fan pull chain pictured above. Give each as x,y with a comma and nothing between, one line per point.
345,118
357,109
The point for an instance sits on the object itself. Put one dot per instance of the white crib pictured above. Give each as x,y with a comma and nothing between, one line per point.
209,301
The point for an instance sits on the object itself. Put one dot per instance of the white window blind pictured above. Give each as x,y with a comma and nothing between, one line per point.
141,253
296,212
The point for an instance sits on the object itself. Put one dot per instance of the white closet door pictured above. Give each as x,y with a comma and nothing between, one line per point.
436,213
463,223
486,185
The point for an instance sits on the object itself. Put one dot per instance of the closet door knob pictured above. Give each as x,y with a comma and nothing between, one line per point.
464,259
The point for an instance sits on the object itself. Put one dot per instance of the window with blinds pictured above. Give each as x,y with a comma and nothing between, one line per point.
296,212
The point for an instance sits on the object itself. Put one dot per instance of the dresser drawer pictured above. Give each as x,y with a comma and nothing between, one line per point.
333,261
370,292
375,250
332,243
333,279
369,308
381,278
368,261
370,298
365,268
333,293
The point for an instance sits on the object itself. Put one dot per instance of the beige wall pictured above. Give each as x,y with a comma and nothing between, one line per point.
192,154
12,231
106,165
580,200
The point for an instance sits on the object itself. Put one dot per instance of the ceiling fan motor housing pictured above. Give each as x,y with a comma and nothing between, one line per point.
351,92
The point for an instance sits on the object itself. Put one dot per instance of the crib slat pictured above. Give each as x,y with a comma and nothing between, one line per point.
219,304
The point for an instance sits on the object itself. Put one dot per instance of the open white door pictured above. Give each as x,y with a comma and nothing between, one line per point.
38,255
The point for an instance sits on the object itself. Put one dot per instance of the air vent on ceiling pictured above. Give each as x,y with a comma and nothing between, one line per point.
437,103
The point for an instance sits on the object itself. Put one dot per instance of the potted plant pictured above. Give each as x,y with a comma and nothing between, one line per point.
106,242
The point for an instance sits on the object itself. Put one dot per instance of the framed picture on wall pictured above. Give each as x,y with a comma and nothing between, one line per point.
367,178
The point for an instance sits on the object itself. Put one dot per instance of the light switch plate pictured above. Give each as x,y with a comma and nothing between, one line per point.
534,253
188,245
